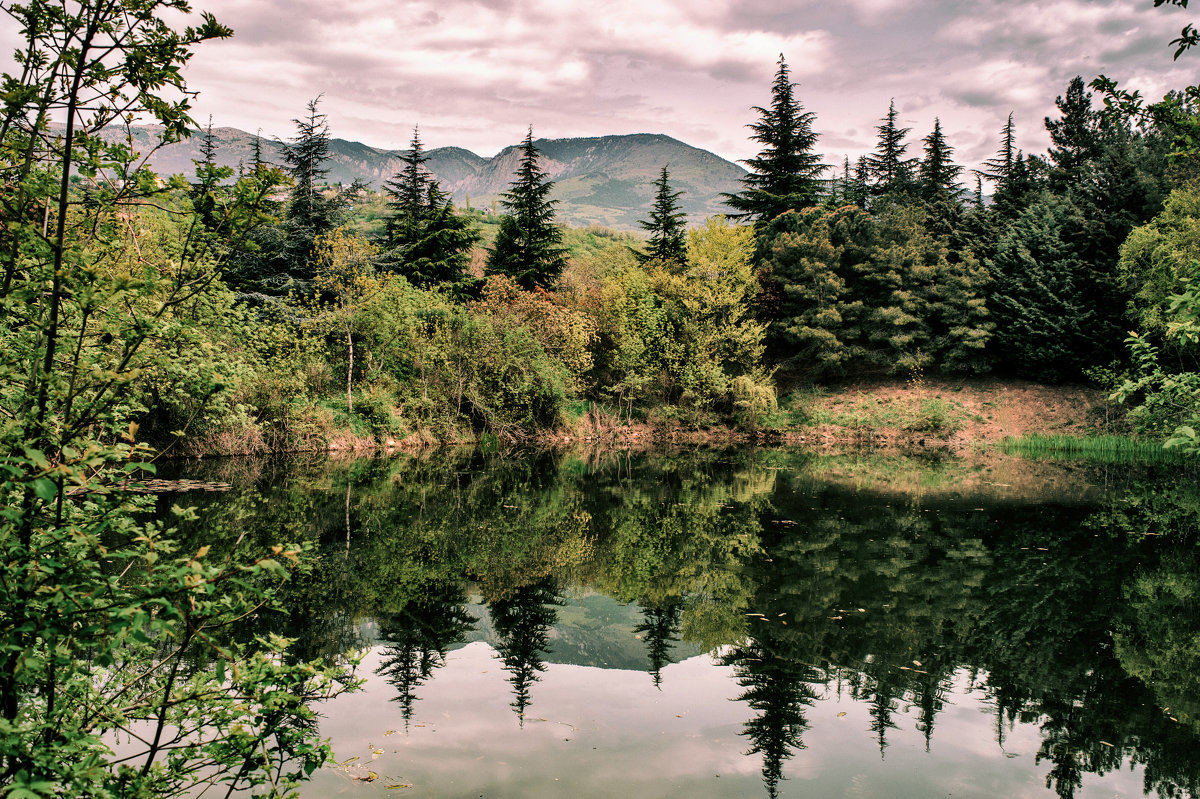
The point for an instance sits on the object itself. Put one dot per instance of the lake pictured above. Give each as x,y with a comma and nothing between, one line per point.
708,623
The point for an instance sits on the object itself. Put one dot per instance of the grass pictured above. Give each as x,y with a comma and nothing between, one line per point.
1106,449
918,414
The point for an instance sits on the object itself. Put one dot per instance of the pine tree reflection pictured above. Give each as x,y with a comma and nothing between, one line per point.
659,629
418,636
522,620
778,688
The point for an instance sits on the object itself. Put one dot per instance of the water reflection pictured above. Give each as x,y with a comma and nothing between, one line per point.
659,629
522,620
896,587
416,637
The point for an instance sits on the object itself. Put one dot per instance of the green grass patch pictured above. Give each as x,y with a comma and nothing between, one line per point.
923,414
1105,449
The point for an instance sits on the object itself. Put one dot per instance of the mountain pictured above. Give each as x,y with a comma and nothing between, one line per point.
605,180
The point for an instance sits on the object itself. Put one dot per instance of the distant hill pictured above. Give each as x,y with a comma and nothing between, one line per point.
605,180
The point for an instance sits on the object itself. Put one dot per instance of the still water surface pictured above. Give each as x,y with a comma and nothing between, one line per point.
746,623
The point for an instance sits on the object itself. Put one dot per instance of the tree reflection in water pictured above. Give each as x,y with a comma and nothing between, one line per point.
523,620
417,637
659,629
1077,616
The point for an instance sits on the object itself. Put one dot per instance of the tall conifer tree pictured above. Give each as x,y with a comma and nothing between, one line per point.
425,239
1077,137
890,170
306,157
937,173
999,167
528,246
666,226
786,174
408,193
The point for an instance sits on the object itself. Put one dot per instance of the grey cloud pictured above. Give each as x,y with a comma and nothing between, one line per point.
979,98
928,56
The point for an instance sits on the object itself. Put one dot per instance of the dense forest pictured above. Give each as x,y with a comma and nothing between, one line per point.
259,310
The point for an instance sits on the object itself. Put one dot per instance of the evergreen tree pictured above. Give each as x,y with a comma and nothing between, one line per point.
528,246
1043,323
256,156
841,188
937,174
522,621
666,226
1076,138
277,258
305,158
889,169
417,636
860,187
408,191
425,240
786,174
208,146
205,190
659,628
310,212
998,168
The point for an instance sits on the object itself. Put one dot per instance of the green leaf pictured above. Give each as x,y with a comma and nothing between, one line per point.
45,488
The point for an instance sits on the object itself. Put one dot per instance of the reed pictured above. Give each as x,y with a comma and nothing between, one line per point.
1109,449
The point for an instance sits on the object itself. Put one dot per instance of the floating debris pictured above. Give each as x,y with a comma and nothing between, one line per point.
153,487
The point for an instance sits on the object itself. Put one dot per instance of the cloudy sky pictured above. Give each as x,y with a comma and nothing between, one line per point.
475,73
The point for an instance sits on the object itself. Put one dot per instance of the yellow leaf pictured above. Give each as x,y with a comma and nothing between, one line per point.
202,551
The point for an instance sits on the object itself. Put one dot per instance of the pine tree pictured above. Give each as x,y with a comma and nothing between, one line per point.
206,188
256,154
786,174
528,246
409,195
889,169
278,258
666,226
425,239
860,188
997,168
1016,177
1043,323
441,252
305,158
937,174
1076,138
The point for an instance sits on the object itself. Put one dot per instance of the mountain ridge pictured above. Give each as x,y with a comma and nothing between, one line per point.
603,180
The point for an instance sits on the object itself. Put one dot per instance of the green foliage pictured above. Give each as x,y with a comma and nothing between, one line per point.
425,239
858,291
1103,449
1043,325
111,628
890,171
1166,402
937,175
681,336
1159,259
528,246
666,226
786,174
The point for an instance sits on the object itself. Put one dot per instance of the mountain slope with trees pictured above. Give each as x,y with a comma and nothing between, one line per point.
600,180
